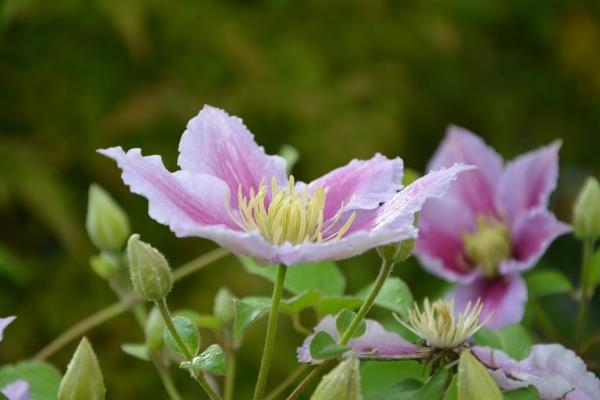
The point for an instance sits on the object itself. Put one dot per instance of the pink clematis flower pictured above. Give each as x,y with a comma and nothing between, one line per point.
229,191
375,343
556,372
492,226
18,390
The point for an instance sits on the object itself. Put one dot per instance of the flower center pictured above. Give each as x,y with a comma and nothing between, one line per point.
488,245
439,328
291,216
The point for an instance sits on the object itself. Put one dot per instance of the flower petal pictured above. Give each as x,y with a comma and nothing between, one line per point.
390,223
531,234
556,372
18,390
503,298
4,322
529,180
218,144
183,200
476,189
362,184
440,245
375,343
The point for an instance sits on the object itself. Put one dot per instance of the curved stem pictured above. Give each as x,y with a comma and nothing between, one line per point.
384,273
107,313
588,248
165,377
199,377
265,363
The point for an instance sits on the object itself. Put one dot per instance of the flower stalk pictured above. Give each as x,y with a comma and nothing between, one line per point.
584,300
265,363
198,376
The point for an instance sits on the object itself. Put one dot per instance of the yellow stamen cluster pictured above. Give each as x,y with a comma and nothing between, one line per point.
437,325
291,216
488,245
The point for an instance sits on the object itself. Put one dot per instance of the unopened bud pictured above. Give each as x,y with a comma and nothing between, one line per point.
586,213
106,223
223,306
396,252
106,264
474,380
154,329
148,269
343,382
83,379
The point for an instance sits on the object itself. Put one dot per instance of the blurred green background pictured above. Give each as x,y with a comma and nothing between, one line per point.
336,79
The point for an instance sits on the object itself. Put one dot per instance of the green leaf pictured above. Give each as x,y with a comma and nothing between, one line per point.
432,389
188,332
43,378
406,389
376,375
547,282
324,277
514,340
248,310
343,320
212,360
297,303
394,296
137,350
474,380
529,393
323,347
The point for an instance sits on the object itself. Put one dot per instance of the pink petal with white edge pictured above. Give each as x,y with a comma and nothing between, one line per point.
440,245
218,144
390,223
375,343
185,201
531,234
503,298
4,322
556,372
476,190
362,184
528,181
18,390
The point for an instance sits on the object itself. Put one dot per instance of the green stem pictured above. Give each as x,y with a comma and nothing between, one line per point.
109,312
384,273
230,378
588,248
265,363
199,377
165,377
287,382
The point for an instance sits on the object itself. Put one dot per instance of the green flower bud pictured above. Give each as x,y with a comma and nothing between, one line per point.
343,382
223,306
396,252
148,269
106,223
586,213
106,264
83,379
154,329
474,380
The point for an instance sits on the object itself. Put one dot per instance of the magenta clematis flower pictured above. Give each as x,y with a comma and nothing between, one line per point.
375,343
18,390
229,191
556,372
492,226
